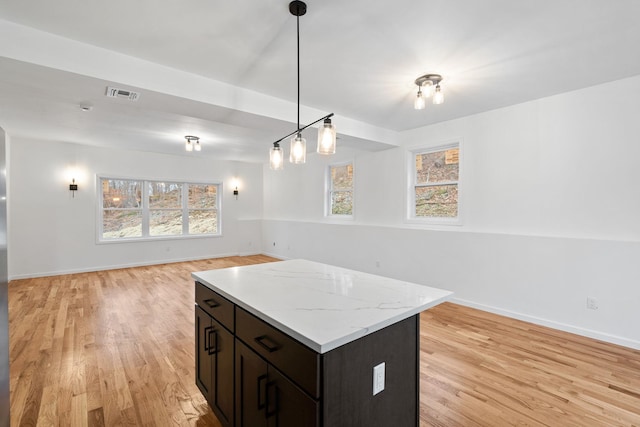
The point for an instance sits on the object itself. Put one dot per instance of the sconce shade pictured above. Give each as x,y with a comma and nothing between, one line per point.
327,138
276,157
298,154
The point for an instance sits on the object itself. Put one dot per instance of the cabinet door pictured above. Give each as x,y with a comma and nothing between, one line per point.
203,358
287,404
221,348
251,383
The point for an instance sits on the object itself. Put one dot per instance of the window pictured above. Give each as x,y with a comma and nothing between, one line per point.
340,190
137,209
434,180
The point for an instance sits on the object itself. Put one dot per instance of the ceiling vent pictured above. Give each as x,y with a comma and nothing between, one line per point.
114,92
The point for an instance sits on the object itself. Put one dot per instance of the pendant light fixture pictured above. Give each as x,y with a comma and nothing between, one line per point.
326,132
428,86
276,157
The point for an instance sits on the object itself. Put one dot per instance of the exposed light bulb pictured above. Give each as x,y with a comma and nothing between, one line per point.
188,146
327,138
275,157
438,96
420,102
427,89
197,146
298,154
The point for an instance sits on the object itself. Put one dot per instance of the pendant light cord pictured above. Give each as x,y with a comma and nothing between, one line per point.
298,44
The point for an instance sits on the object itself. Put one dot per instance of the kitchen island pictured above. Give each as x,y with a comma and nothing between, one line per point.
302,344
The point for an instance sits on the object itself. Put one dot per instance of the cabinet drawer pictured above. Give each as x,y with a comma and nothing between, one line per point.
215,305
298,361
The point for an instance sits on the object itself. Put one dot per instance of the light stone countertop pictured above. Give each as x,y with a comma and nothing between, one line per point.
320,305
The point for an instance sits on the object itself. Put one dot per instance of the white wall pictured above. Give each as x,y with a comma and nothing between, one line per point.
550,212
52,232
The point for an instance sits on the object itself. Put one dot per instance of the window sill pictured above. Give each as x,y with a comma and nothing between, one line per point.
155,239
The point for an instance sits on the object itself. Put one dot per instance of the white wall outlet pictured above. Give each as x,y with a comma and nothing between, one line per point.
378,378
592,303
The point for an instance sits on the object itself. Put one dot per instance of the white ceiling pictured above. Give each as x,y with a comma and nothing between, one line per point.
226,70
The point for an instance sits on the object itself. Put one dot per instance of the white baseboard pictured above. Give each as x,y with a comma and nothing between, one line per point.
613,339
117,266
272,255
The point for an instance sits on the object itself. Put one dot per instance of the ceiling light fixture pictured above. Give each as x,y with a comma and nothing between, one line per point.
192,143
428,85
326,132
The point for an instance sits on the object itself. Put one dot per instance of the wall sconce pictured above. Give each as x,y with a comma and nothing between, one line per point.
73,187
234,183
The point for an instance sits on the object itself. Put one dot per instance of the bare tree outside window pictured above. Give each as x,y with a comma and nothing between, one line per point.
122,208
203,209
436,183
341,189
142,209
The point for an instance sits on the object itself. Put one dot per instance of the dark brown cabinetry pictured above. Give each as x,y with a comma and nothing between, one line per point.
215,357
265,397
254,375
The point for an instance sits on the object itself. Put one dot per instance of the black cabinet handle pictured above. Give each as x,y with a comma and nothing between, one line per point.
261,404
207,331
271,401
213,349
267,343
211,303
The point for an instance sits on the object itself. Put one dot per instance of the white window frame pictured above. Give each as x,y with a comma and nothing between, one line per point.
146,210
410,216
329,191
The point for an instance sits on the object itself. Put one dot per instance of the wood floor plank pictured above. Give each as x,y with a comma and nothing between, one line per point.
523,374
116,348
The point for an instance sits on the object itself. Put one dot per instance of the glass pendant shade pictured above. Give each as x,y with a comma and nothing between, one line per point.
420,102
188,146
327,138
197,146
276,159
438,96
298,153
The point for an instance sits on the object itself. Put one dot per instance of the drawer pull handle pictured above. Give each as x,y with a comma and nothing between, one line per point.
261,404
206,338
211,303
213,349
266,343
271,401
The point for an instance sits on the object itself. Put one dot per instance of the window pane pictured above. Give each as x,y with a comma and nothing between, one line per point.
121,223
439,201
203,221
342,203
119,193
165,195
165,223
202,196
342,177
438,166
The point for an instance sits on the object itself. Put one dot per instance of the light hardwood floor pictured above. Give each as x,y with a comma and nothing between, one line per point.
117,348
